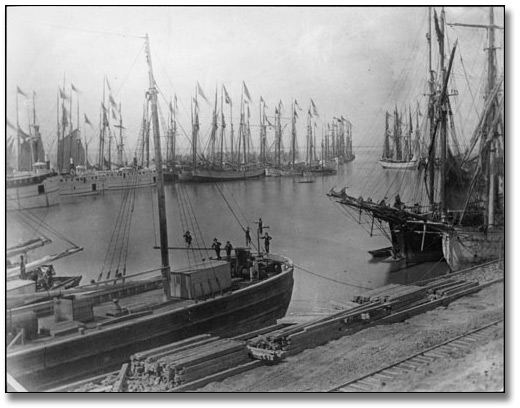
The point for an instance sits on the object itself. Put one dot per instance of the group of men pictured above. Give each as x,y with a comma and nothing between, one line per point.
229,247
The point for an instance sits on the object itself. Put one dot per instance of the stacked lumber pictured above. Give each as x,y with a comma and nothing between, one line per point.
183,365
296,338
375,306
177,364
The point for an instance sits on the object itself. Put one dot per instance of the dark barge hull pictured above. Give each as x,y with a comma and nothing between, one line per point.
239,312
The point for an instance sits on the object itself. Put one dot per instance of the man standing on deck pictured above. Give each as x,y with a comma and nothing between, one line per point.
248,237
266,239
260,226
216,246
228,249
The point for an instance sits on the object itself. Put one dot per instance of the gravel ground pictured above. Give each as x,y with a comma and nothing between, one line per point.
480,369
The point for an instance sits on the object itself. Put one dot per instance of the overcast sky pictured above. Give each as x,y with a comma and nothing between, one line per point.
355,62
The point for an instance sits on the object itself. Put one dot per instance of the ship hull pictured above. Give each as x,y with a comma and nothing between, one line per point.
274,172
82,185
417,243
344,159
398,165
170,176
205,175
464,248
229,315
128,178
32,192
322,170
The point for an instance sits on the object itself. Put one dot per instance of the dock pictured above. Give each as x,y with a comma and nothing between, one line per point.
197,361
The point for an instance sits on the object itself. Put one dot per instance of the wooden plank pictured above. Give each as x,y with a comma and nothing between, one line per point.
81,383
217,377
171,346
259,332
218,361
201,350
203,355
222,365
171,353
120,380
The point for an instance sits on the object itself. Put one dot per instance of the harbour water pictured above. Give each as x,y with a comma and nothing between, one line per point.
328,246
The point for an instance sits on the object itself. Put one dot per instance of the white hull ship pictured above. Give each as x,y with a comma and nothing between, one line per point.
28,190
128,177
398,165
82,183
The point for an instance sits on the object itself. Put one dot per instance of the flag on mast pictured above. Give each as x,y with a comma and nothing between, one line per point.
63,95
74,88
201,93
314,109
18,90
226,96
246,92
87,121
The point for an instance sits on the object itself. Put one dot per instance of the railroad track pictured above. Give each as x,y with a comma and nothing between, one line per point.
369,382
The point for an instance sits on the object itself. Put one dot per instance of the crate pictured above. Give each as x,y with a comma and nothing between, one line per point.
202,281
80,310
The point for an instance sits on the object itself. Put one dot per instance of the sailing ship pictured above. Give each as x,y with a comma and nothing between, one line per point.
463,220
216,169
312,164
475,234
119,174
400,152
329,161
344,140
282,168
96,327
76,175
171,168
30,183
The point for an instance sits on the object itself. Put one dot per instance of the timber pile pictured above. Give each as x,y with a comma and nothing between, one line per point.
375,306
177,364
294,339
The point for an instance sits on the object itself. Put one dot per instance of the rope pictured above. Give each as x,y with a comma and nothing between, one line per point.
117,250
183,217
233,212
330,279
41,224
